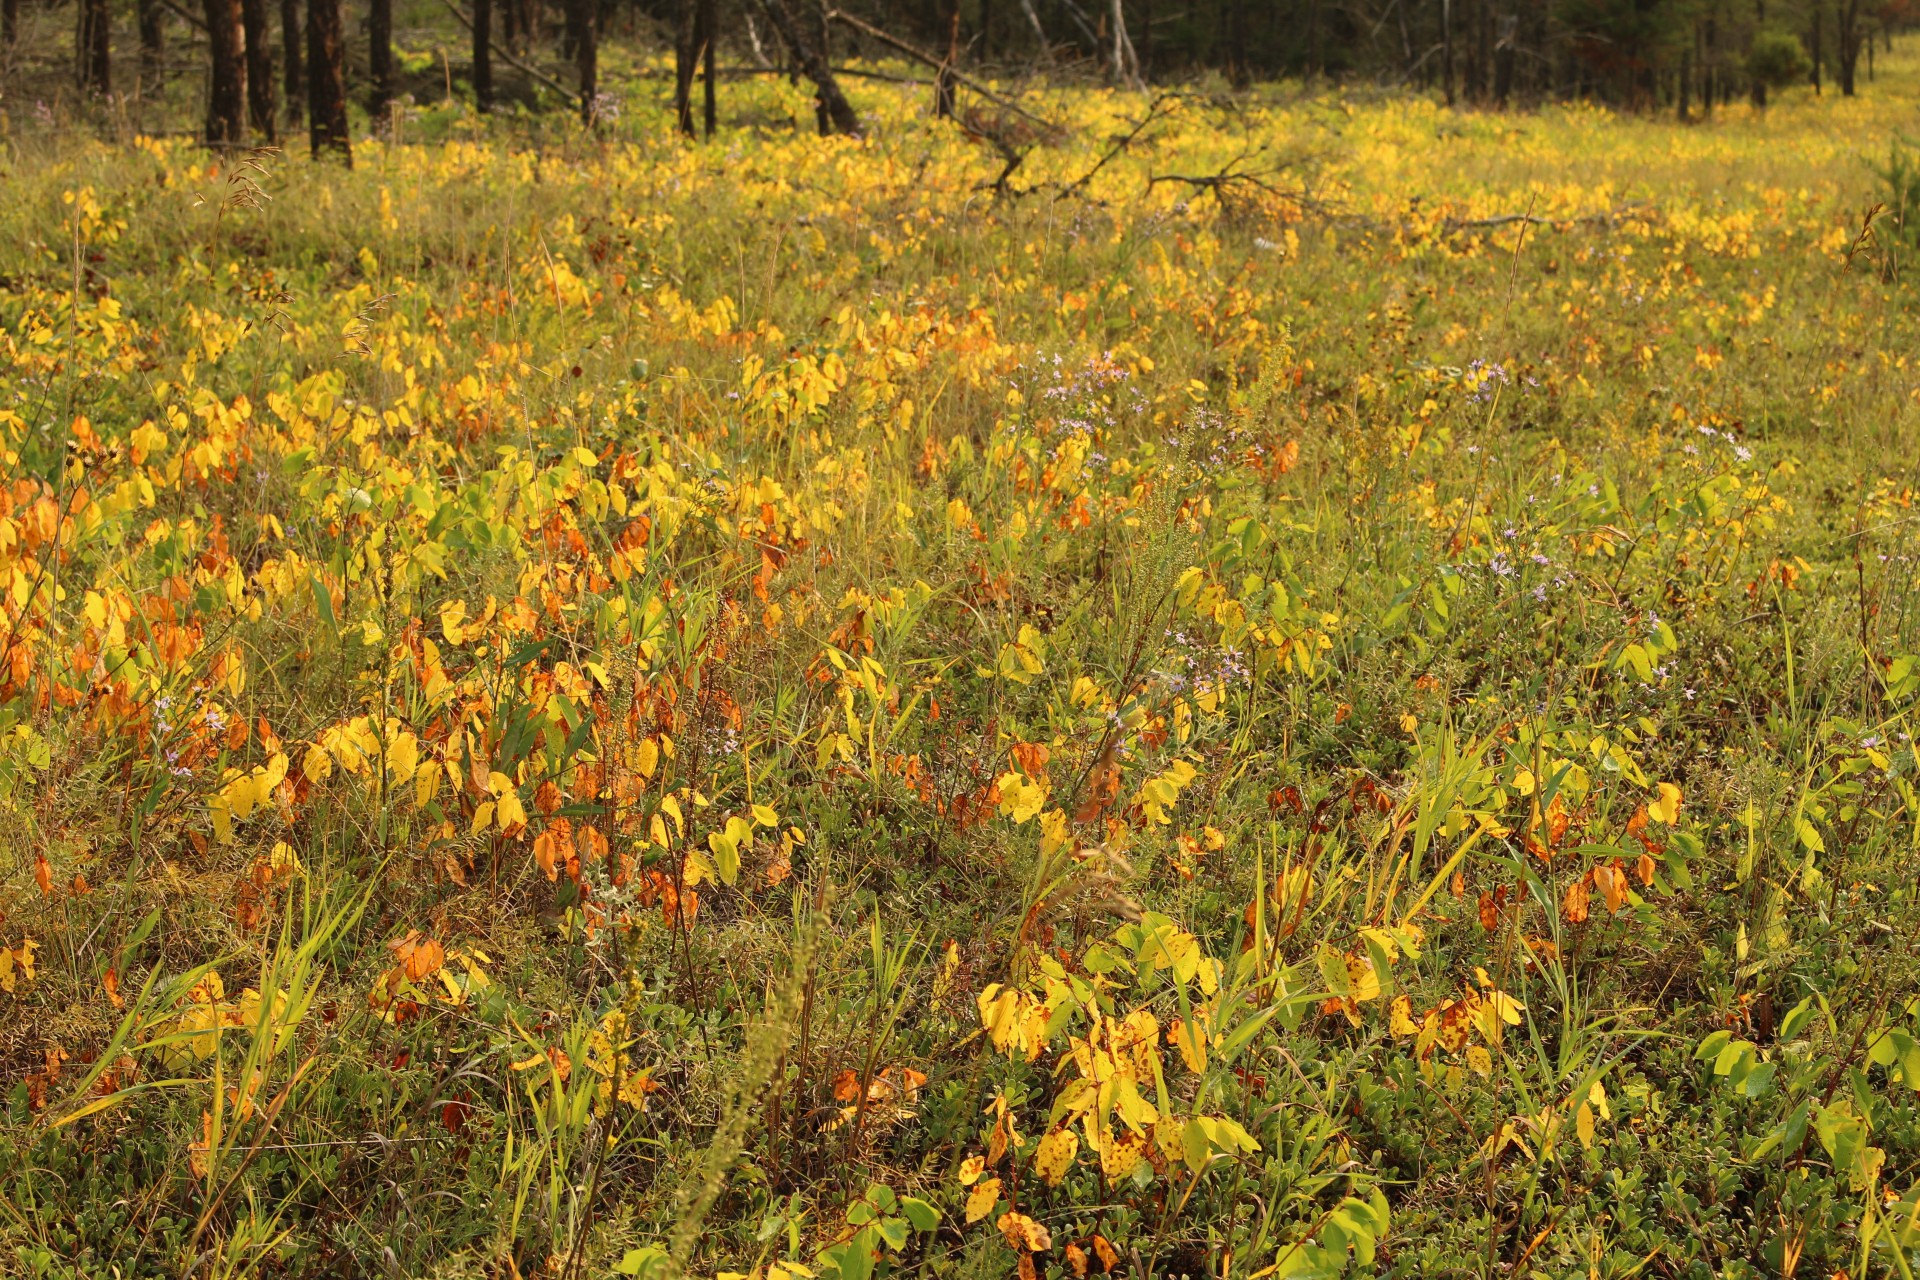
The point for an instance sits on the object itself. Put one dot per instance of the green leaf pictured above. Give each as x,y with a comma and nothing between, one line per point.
1757,1081
922,1215
1796,1019
1711,1046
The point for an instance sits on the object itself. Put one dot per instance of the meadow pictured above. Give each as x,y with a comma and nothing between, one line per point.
1296,684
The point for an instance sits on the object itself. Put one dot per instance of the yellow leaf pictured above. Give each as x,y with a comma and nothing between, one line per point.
318,765
1583,1125
1120,1154
1362,982
971,1168
403,757
1667,808
1400,1017
1020,798
649,758
1023,1232
982,1198
481,817
1054,1156
1190,1038
510,811
1479,1060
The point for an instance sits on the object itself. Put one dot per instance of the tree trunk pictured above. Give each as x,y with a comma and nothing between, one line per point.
943,80
91,46
709,86
9,23
483,54
326,81
1446,48
1126,63
257,23
586,55
293,65
1819,12
1039,32
686,54
152,20
226,85
1685,95
1709,40
380,59
823,42
1849,46
1757,90
1507,33
835,110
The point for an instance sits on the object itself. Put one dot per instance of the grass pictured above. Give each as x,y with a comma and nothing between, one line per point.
579,704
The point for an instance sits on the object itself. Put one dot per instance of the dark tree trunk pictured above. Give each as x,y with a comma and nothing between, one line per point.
1503,56
686,56
380,59
9,23
1849,46
835,110
226,84
1446,48
1819,12
1685,95
1239,73
709,80
1710,66
326,81
257,22
91,45
293,68
483,54
152,20
943,80
582,37
823,42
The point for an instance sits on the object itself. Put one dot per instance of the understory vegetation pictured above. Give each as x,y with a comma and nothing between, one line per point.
1274,684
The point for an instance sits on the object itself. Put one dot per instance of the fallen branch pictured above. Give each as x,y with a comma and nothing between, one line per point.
1534,220
1224,184
920,55
509,59
1120,144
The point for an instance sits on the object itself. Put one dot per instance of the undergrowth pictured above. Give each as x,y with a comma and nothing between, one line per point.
588,705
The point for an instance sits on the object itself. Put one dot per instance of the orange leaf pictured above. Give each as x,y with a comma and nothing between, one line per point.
1573,905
